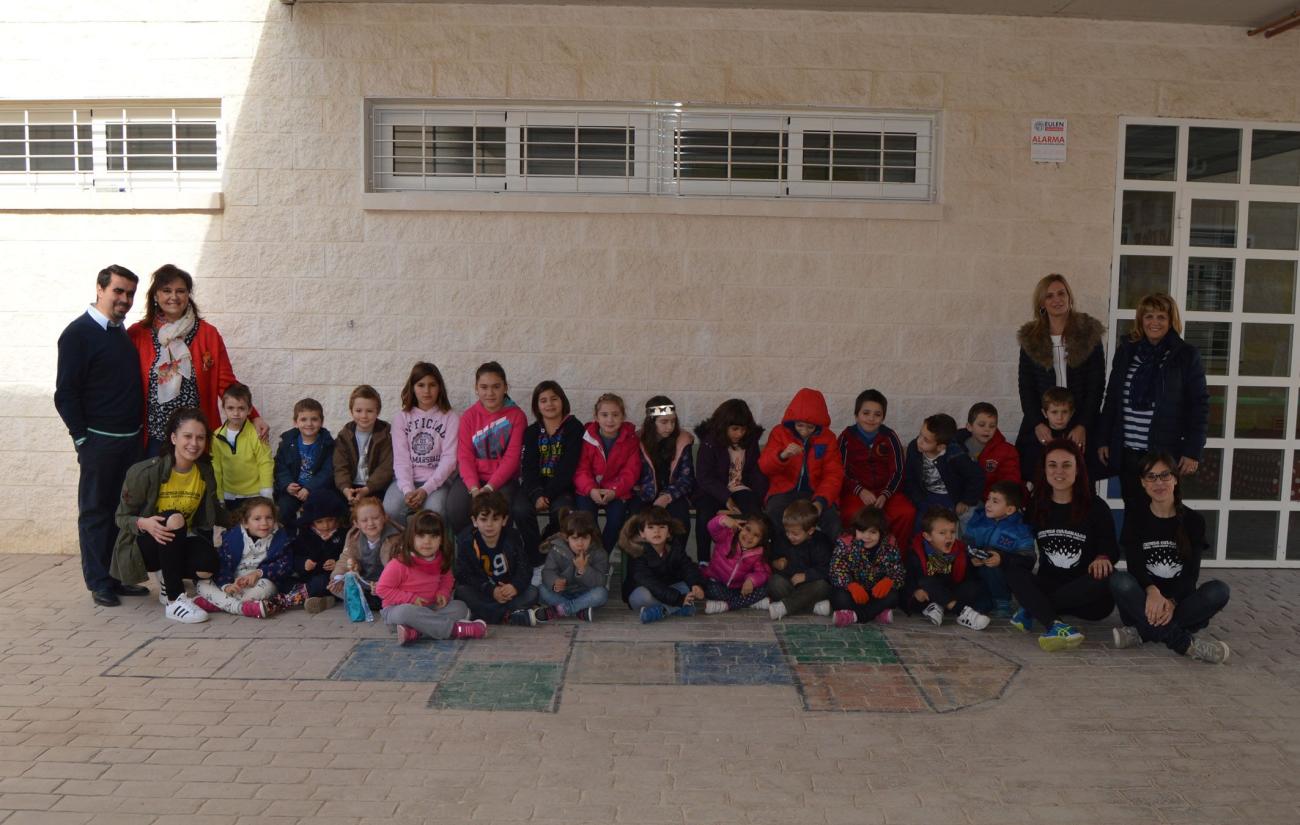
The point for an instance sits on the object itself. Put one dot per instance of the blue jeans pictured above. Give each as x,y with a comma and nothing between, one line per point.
574,599
1190,615
995,586
641,597
616,513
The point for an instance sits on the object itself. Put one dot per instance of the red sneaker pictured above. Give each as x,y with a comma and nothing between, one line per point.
253,610
475,629
205,605
406,635
844,618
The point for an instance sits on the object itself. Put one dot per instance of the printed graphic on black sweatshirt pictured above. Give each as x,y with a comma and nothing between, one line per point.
1062,548
1163,559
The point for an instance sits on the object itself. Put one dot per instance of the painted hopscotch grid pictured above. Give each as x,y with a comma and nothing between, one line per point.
860,669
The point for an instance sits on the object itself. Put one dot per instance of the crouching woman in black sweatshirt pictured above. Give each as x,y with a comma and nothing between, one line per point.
1158,598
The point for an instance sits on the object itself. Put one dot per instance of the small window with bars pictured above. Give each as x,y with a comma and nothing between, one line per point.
656,150
110,148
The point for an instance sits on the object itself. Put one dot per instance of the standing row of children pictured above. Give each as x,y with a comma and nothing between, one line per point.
446,505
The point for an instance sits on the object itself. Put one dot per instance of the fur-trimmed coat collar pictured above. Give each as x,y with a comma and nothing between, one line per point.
1082,335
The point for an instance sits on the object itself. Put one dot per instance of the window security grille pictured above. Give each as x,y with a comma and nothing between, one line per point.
111,148
652,151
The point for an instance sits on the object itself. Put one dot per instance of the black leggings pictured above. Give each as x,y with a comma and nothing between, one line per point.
841,600
1190,615
184,557
1045,599
941,590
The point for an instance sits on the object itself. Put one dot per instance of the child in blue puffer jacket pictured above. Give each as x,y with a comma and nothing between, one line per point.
256,565
996,535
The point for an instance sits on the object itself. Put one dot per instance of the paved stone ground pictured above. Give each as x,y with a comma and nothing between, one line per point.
115,715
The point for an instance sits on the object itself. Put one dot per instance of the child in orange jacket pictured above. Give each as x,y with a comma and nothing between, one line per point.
802,461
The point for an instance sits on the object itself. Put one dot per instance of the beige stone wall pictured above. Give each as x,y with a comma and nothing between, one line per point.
314,294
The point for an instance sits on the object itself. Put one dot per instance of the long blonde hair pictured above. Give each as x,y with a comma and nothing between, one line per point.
1040,327
1156,302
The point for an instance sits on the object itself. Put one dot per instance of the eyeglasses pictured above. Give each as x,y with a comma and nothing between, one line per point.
1157,477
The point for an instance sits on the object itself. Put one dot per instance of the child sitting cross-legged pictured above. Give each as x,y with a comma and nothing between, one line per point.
801,561
416,586
493,575
996,535
737,573
316,550
936,573
255,565
661,579
373,540
866,571
576,568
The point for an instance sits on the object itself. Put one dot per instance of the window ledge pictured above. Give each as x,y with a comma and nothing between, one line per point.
645,204
88,201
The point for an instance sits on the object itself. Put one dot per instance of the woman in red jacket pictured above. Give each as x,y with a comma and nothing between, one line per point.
183,361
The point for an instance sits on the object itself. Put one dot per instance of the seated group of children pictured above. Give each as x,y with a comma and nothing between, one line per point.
866,526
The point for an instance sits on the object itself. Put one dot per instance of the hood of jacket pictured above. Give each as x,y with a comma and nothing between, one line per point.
807,405
1082,335
592,436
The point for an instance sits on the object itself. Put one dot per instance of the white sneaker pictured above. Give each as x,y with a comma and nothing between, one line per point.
162,591
1125,637
972,618
934,612
822,608
762,604
713,606
185,611
537,576
776,611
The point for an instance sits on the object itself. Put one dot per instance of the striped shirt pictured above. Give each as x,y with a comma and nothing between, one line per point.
1137,423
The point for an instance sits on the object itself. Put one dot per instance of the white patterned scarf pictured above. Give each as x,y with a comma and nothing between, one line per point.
173,364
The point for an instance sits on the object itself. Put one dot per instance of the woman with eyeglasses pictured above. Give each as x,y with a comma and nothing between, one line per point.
1159,599
1156,399
1075,536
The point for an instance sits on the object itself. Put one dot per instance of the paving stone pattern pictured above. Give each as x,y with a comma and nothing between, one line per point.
115,715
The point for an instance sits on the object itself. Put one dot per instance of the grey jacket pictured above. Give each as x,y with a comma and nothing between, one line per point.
559,565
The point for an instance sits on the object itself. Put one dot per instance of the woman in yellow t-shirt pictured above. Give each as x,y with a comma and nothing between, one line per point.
169,506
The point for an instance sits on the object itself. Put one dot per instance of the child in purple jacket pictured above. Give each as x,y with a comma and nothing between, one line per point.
737,573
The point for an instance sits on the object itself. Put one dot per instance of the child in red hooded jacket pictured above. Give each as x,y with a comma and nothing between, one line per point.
802,461
987,447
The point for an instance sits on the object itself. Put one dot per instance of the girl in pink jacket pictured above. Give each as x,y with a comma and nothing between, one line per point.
489,445
417,583
609,467
737,573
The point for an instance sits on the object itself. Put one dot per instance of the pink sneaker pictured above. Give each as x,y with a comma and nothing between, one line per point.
253,610
205,605
475,629
886,616
406,635
844,618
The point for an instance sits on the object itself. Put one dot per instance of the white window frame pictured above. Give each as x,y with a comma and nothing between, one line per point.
1180,251
101,179
655,156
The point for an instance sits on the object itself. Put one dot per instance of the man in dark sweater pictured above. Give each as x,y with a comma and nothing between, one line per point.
99,397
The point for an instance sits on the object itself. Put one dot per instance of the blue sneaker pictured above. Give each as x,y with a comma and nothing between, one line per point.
1060,636
1022,621
684,610
653,613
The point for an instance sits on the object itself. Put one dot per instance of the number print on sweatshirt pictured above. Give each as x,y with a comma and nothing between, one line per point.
492,440
1062,548
1163,559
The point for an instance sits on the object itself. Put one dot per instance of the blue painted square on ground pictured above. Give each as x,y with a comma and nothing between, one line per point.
381,660
732,663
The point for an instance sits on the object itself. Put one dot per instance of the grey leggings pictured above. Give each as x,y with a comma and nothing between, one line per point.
433,622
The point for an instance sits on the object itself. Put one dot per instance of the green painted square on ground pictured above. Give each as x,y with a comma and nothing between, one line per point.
811,644
499,686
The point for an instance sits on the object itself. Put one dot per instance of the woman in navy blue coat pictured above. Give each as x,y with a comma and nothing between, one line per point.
1156,398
